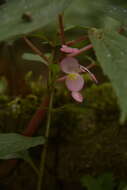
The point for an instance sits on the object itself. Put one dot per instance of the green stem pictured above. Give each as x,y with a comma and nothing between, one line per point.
44,151
31,163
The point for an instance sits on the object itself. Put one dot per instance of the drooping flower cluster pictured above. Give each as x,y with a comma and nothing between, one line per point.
73,78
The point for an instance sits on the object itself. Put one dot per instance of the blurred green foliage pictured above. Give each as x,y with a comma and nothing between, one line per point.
103,182
22,17
110,48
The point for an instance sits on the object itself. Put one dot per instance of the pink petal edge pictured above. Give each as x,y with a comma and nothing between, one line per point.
68,49
69,65
77,96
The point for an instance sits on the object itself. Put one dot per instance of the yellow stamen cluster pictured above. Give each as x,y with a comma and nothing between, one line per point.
72,76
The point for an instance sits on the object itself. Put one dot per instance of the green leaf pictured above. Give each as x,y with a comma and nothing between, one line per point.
109,14
90,183
94,13
125,188
111,52
17,155
33,57
102,182
122,185
106,181
22,17
24,155
11,143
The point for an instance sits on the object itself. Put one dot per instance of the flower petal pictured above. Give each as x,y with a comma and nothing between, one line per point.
74,82
77,96
70,65
68,49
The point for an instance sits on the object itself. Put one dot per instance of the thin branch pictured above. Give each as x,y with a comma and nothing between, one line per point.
91,65
44,151
80,39
36,50
90,46
61,26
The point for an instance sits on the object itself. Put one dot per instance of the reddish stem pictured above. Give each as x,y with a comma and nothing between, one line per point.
36,119
90,46
61,26
90,65
36,50
80,39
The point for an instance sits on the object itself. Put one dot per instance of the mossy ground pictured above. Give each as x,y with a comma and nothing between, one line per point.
85,139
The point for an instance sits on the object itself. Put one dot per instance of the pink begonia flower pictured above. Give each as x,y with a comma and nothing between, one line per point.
73,80
68,49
